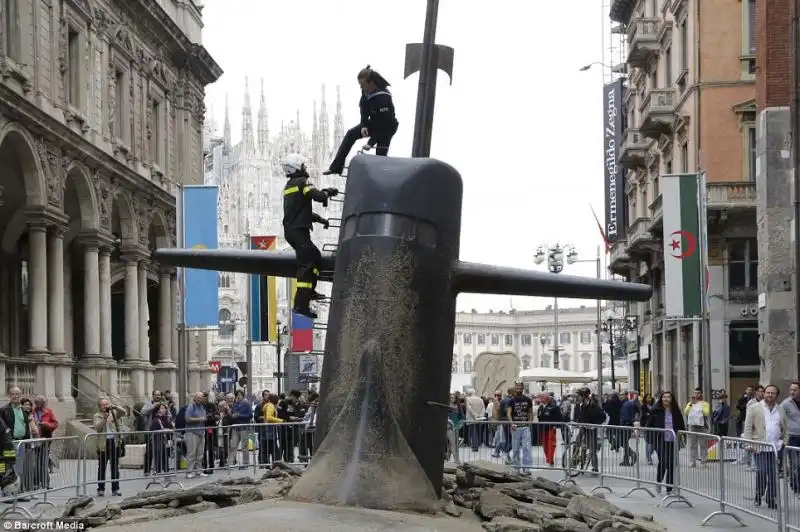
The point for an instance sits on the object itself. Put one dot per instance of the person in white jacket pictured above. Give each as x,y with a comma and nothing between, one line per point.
475,414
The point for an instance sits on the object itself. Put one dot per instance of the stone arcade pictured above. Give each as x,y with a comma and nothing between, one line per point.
101,116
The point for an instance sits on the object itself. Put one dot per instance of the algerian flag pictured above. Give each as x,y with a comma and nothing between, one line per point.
683,279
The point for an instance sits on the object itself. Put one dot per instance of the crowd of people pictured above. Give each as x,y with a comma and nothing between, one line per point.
512,422
210,432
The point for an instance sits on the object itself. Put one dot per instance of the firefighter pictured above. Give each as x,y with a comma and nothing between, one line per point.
298,220
9,481
378,120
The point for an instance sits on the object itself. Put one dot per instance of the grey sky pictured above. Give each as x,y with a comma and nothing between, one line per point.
520,123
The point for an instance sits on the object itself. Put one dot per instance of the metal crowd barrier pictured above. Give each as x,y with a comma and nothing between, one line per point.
740,476
46,468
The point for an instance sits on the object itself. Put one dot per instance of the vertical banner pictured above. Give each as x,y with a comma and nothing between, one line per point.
684,280
263,297
302,334
200,232
616,224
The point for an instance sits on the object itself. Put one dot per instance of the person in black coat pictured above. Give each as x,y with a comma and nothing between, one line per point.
378,120
666,416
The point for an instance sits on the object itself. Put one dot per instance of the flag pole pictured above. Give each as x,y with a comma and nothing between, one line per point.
183,345
248,345
704,360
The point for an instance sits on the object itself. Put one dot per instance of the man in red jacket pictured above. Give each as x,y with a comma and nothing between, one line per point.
47,423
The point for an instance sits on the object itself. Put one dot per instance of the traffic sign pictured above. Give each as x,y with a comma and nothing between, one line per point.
214,366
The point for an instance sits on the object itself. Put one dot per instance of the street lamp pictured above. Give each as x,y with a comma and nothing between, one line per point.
555,256
625,329
632,336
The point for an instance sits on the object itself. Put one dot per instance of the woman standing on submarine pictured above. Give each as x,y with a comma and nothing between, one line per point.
378,121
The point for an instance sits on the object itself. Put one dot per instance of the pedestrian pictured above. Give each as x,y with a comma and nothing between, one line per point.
698,422
766,427
666,421
378,120
110,446
520,415
194,436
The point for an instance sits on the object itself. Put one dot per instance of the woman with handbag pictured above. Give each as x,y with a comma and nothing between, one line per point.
666,416
110,445
162,438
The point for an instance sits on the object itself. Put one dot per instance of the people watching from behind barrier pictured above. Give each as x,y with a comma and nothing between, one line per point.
629,416
290,410
698,422
195,420
791,407
162,439
520,415
589,413
721,416
741,409
646,408
29,467
211,440
549,413
109,444
475,411
665,416
270,416
147,412
309,427
47,424
240,413
766,423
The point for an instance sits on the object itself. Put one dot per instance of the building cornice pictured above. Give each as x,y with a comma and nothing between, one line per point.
182,52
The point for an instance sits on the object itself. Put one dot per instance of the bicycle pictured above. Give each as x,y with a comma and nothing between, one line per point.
576,458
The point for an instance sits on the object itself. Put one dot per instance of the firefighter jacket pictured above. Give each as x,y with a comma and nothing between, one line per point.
297,197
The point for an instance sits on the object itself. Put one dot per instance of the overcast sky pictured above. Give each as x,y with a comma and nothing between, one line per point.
520,122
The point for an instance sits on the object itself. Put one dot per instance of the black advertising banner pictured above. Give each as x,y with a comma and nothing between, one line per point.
614,184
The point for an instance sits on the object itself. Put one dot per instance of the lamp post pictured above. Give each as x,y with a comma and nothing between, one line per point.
556,256
625,329
281,330
633,336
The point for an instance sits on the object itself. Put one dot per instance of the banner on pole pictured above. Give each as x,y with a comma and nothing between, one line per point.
263,297
201,294
684,279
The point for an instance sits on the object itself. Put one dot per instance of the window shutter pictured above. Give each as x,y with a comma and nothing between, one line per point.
751,8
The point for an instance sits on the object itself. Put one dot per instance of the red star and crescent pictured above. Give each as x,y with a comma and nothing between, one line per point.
683,244
263,243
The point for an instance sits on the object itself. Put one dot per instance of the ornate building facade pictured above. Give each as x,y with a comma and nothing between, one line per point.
251,182
529,335
668,131
101,117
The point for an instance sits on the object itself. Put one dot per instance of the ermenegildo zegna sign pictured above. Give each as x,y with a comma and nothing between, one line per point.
614,183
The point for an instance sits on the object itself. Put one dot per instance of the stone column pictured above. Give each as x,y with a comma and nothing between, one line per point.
164,318
55,307
91,299
105,302
166,377
144,342
131,310
37,288
173,297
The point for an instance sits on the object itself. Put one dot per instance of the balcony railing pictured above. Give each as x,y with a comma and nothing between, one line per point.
658,101
732,195
639,230
657,209
633,149
643,30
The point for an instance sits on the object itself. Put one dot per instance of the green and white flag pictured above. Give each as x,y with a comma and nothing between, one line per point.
683,278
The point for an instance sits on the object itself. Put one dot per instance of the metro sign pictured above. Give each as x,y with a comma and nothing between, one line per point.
214,365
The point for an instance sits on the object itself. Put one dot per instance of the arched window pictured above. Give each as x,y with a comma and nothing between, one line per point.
225,323
454,366
526,362
467,364
545,361
481,339
467,338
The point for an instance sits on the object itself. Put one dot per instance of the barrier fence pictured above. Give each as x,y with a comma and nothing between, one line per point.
742,477
739,476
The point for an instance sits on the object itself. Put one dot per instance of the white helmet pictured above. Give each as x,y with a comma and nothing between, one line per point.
294,162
